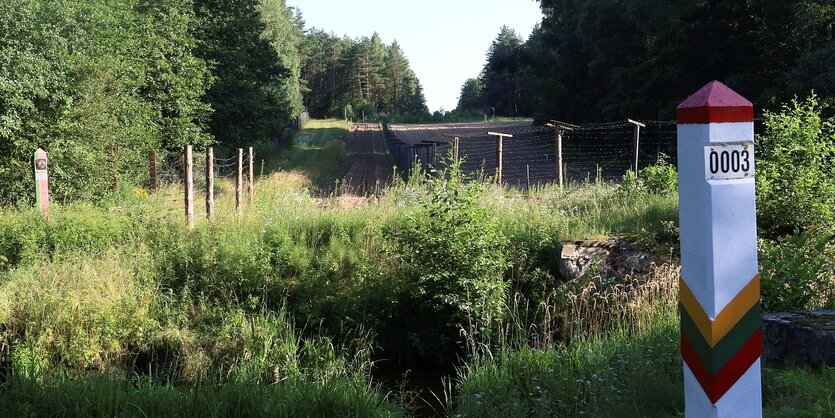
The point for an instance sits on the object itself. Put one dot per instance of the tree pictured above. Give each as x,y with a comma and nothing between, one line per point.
96,84
472,95
366,74
592,60
253,96
501,73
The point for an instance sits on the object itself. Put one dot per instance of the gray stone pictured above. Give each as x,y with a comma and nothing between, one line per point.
607,258
804,337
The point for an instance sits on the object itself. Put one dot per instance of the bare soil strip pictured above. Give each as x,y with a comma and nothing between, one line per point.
368,168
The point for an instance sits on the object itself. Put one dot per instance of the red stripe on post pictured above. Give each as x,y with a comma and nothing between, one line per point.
716,386
688,354
715,114
733,371
715,103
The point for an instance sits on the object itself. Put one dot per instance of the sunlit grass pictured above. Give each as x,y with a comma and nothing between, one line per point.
317,150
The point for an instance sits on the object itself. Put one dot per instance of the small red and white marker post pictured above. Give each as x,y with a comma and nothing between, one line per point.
41,181
721,338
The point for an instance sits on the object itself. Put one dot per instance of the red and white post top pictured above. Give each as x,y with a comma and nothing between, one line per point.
715,103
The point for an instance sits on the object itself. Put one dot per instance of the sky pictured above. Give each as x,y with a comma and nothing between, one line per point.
446,41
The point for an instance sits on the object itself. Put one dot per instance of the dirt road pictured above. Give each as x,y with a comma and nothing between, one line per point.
368,167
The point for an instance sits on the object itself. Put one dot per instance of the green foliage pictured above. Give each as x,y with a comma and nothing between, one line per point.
798,272
795,180
608,59
451,254
501,74
796,393
472,96
251,46
22,235
347,77
96,85
78,314
100,396
25,237
619,375
660,178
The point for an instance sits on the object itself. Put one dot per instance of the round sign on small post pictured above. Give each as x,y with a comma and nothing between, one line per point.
41,181
721,338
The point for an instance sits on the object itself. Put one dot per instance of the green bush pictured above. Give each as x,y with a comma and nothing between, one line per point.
451,256
96,85
795,179
798,272
27,236
22,236
659,178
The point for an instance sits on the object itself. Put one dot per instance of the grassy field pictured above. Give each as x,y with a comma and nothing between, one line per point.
317,150
118,309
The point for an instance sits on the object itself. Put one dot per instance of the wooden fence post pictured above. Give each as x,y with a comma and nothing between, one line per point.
528,176
721,337
559,158
210,183
455,144
188,166
250,176
239,180
152,170
559,128
499,153
636,142
42,181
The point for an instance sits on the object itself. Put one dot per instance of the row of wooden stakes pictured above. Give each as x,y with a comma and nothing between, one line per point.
188,176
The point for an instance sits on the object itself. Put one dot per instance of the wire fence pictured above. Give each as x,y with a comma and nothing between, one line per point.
170,169
530,156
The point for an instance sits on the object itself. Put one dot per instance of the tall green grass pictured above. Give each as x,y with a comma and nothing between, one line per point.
104,397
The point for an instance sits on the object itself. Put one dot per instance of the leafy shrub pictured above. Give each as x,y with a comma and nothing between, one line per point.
22,235
83,227
451,255
27,236
795,179
96,85
659,178
798,272
224,264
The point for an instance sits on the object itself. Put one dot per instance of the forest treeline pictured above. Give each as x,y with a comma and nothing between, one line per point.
98,84
596,60
354,77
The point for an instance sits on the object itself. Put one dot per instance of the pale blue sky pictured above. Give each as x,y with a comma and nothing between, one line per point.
445,41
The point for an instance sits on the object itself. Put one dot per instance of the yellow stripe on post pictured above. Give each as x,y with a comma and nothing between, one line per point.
716,329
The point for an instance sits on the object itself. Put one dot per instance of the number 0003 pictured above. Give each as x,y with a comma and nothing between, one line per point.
732,161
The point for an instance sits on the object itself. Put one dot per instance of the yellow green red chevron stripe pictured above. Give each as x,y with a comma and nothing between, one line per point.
717,356
714,330
720,351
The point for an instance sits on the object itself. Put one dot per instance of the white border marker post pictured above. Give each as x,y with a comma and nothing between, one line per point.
721,339
41,181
